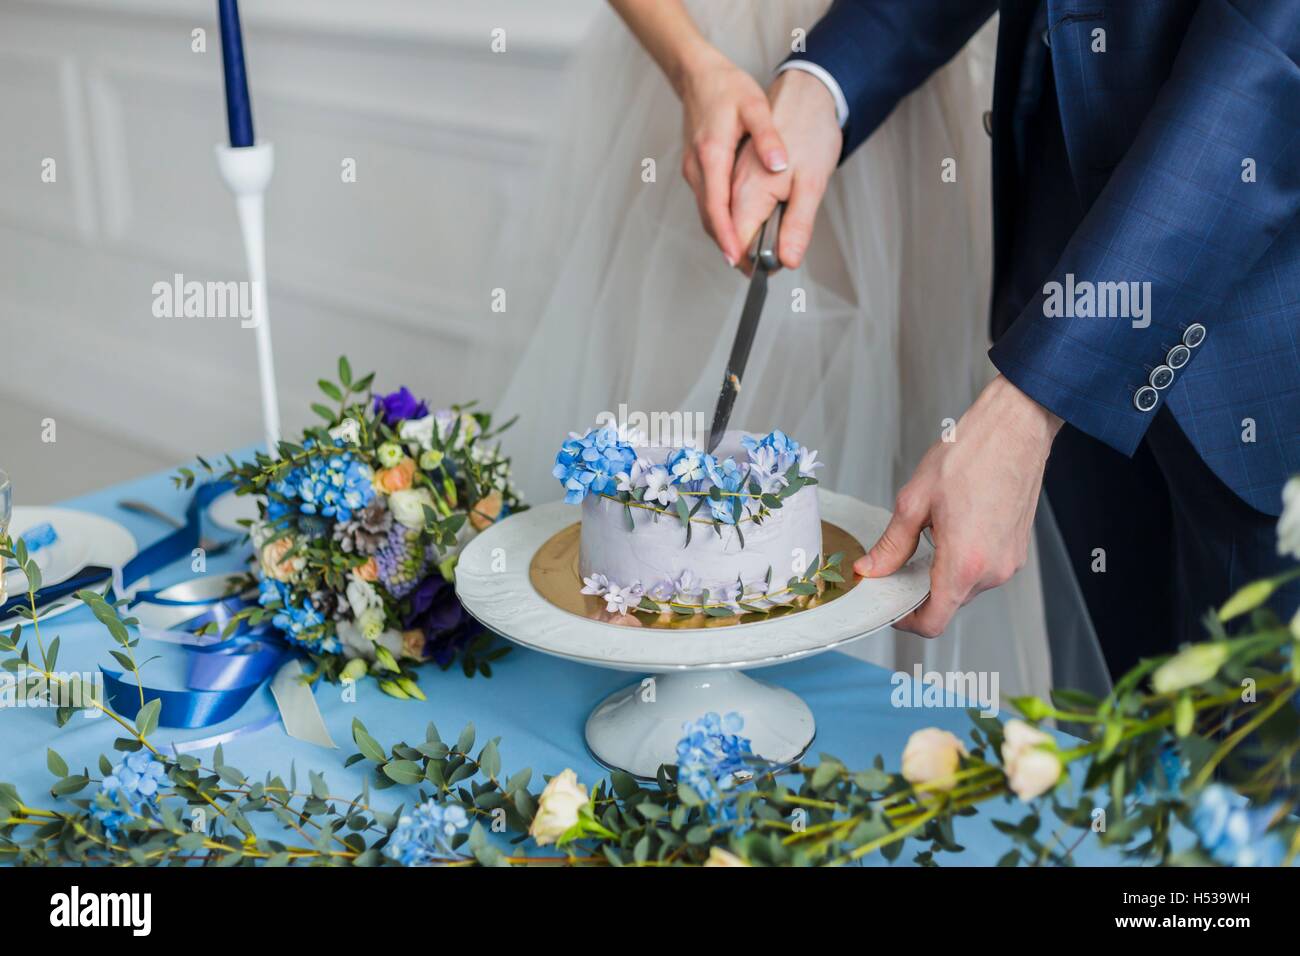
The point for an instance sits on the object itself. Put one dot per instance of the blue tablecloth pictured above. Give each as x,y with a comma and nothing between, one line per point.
536,704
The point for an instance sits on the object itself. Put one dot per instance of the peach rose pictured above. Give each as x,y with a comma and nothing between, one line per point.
276,565
413,645
486,511
397,478
368,571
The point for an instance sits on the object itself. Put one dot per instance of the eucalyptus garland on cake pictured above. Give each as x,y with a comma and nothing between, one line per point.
360,524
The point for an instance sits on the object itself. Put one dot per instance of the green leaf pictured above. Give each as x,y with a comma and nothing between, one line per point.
146,721
369,746
58,766
406,772
345,371
466,739
330,389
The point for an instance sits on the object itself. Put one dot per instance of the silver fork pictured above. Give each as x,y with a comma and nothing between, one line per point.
210,545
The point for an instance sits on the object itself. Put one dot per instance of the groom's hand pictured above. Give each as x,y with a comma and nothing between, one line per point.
977,493
804,114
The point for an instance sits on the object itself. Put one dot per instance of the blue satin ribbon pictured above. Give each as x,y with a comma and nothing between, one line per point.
181,542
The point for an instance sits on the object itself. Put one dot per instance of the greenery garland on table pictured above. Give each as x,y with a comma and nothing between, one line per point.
361,521
1207,737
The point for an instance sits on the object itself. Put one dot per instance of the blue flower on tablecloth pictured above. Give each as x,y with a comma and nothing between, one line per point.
1234,834
711,757
726,476
135,781
331,484
297,617
591,463
422,834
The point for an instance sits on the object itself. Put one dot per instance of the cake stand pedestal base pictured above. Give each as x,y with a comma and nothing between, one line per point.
637,728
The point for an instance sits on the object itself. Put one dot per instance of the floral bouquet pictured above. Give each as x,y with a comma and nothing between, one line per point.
360,526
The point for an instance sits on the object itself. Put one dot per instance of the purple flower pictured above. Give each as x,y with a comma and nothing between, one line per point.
436,611
400,405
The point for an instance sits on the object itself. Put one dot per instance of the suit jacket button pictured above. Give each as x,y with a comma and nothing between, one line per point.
988,122
1178,356
1162,376
1145,398
1194,335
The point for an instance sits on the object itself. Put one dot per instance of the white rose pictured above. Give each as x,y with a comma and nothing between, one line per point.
1031,770
418,430
408,506
930,755
348,430
720,857
1288,526
557,808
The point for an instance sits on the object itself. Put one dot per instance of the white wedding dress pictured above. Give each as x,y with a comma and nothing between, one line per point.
628,301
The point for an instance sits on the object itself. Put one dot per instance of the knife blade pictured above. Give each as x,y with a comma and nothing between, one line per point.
763,255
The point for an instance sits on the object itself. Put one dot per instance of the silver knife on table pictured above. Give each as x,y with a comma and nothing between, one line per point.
763,255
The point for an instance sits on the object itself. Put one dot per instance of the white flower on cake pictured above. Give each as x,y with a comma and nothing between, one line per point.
663,591
634,480
659,486
808,462
688,585
596,584
621,600
690,466
408,506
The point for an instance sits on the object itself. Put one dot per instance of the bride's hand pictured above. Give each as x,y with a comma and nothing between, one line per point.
721,104
804,113
977,493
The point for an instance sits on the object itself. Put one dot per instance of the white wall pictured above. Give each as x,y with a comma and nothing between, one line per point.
396,269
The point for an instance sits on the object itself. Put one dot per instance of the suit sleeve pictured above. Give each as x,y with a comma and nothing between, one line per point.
1178,213
878,51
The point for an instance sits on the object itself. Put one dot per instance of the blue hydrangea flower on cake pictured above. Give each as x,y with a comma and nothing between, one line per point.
680,530
361,522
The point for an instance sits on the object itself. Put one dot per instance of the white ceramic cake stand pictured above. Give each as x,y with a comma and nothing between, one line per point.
692,672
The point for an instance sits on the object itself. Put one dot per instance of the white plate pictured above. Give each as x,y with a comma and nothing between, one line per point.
506,602
229,508
58,561
105,543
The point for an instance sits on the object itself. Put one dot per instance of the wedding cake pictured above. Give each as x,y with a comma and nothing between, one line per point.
676,529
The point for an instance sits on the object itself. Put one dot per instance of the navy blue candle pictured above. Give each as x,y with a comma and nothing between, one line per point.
239,112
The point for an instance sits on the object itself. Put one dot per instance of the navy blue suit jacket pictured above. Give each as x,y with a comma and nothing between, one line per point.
1183,147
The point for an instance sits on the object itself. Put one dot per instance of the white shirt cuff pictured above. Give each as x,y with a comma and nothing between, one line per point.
841,104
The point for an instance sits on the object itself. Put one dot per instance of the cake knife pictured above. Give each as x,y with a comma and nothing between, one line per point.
763,255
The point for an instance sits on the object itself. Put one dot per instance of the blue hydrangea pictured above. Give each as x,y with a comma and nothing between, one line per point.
331,484
1233,833
711,756
590,464
423,834
726,476
135,781
299,619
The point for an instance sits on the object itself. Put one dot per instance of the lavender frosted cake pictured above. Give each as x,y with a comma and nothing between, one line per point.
675,529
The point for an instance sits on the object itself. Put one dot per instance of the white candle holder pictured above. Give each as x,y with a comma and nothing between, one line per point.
247,171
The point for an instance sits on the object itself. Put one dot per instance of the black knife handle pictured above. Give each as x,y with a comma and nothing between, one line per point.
764,251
